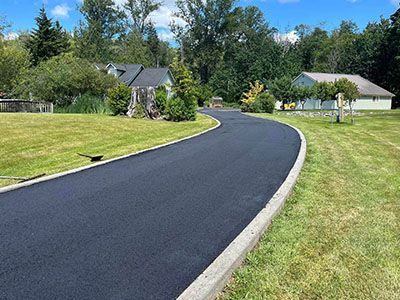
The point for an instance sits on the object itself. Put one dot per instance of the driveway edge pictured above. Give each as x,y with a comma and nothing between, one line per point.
56,175
212,281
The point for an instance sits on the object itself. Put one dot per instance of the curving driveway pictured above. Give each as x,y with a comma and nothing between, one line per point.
146,226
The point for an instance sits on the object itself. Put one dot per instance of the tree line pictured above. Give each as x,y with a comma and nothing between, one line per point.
225,47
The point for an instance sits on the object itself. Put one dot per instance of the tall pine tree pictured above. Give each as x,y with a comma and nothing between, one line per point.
47,40
154,44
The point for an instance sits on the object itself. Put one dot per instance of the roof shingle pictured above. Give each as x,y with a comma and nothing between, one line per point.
150,77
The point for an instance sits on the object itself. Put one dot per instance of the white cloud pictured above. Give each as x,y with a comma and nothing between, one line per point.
395,2
163,17
61,11
166,36
290,37
11,36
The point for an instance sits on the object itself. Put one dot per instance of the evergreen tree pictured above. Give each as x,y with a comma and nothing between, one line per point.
154,44
62,40
47,40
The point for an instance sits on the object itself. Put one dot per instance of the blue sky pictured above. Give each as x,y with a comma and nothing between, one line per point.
282,14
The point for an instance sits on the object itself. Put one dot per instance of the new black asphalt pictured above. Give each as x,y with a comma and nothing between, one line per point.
143,227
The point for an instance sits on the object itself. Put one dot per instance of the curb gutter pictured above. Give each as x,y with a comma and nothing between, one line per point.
212,281
53,176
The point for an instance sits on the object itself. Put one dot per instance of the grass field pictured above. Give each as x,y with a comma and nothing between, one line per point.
33,144
338,236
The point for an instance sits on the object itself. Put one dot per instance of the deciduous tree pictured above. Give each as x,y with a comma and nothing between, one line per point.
94,37
139,11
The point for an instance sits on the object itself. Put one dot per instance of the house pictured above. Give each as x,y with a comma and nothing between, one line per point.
372,97
136,75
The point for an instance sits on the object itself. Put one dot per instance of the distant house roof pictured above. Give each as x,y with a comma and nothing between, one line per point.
151,77
365,86
128,71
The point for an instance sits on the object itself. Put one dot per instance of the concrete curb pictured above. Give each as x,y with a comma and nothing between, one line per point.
53,176
212,281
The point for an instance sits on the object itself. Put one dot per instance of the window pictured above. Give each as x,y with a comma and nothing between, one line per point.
375,98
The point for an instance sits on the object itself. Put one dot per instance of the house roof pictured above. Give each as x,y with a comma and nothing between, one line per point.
129,71
150,77
365,86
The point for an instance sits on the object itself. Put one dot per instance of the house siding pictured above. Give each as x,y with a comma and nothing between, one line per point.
367,102
167,80
364,103
304,80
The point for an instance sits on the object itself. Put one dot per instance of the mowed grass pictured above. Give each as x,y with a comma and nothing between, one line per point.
33,144
338,236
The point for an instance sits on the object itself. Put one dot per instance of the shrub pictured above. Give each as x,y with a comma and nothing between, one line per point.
234,105
139,112
264,103
86,104
62,79
182,107
118,99
161,99
203,94
178,109
14,61
267,102
251,95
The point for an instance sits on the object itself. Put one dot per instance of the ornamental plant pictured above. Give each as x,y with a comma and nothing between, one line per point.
118,99
251,95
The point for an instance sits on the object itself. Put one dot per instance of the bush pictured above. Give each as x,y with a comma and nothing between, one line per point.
233,105
86,104
264,103
62,79
14,61
267,102
182,107
178,109
161,99
118,99
203,94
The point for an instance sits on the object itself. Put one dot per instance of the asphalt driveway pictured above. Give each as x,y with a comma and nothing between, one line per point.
146,226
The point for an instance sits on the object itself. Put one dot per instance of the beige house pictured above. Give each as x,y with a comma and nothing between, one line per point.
373,97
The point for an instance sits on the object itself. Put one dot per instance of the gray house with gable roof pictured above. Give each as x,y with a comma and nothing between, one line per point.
136,75
373,97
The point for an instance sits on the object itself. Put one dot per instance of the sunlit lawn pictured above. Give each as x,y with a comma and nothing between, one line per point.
33,144
339,235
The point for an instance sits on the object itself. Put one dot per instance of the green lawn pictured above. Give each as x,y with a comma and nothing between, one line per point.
32,144
338,236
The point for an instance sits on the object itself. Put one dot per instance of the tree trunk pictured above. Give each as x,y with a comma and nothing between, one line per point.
146,98
132,108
